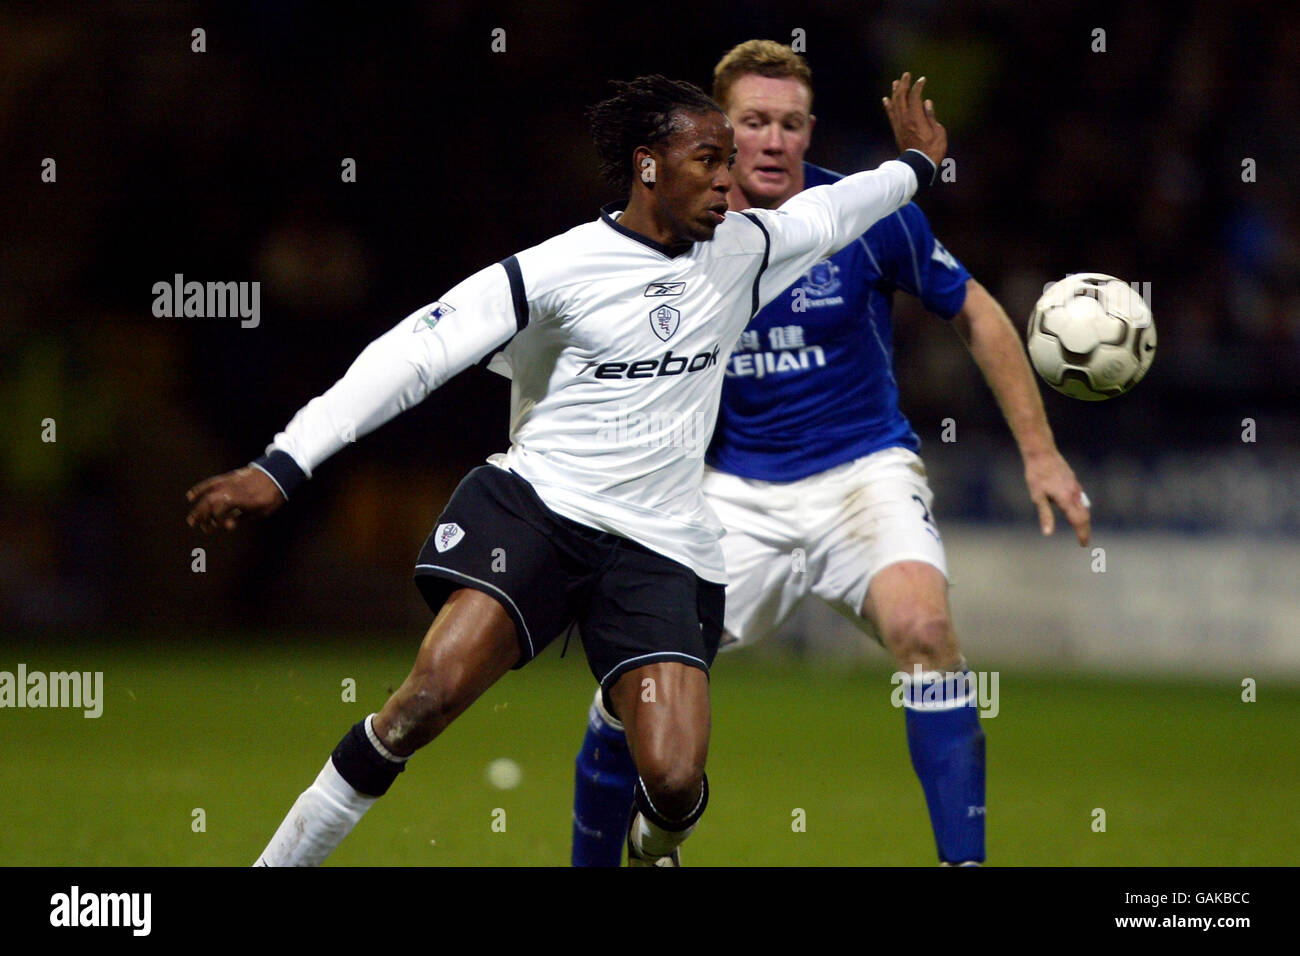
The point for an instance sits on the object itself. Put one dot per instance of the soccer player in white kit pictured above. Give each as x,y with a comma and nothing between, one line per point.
631,315
814,471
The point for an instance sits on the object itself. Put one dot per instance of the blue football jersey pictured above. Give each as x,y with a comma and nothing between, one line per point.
810,385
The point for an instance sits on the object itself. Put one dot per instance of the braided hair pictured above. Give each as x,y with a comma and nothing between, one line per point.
642,112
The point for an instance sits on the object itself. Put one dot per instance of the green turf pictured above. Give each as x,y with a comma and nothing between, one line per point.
1187,774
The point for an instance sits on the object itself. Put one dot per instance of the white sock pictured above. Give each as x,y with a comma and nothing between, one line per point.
321,817
652,840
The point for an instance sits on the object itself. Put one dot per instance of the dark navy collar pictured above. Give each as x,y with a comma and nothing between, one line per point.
607,216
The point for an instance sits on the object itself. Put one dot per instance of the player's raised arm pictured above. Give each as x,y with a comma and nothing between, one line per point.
912,118
394,372
996,347
818,222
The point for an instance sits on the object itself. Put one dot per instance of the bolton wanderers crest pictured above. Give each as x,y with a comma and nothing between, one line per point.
664,321
447,536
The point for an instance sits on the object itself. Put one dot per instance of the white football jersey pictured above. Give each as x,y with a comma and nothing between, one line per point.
616,350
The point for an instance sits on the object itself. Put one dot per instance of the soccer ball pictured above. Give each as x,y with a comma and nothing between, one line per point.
1091,336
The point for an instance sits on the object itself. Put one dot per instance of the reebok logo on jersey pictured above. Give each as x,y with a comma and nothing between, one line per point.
447,536
664,321
668,364
429,317
665,288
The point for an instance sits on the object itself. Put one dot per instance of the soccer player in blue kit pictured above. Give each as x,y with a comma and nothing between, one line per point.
812,455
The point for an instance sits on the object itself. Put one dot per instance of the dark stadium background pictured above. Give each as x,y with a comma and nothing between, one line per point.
225,166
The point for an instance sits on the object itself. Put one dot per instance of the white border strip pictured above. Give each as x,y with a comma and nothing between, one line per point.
460,575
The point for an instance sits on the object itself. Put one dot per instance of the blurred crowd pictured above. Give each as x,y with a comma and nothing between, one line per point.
1157,143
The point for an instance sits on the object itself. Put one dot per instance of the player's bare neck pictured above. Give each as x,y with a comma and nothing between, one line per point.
640,218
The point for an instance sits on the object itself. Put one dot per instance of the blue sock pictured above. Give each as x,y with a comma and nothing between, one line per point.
947,747
603,793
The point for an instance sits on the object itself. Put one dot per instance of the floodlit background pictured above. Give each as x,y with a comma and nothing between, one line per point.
1167,159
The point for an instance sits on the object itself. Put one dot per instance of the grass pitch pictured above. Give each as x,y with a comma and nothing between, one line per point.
1187,774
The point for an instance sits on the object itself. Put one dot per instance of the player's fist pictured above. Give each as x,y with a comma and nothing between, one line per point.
913,121
221,501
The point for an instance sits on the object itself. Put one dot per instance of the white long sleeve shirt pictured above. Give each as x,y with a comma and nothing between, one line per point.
616,350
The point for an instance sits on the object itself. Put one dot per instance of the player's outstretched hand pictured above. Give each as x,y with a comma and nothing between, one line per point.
1051,481
912,118
221,501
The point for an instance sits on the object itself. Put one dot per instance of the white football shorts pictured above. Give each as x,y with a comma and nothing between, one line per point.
827,534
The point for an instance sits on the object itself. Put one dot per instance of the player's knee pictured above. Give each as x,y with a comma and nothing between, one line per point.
673,784
925,640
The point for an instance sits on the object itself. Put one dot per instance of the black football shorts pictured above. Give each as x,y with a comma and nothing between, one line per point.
632,606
